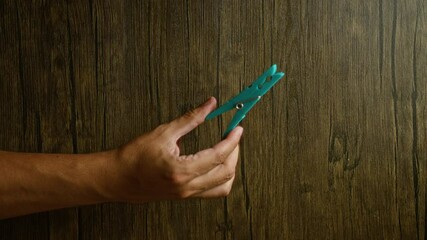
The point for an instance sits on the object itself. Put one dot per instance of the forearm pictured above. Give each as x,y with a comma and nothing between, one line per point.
34,182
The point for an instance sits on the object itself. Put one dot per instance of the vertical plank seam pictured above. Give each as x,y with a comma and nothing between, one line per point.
425,188
220,118
251,231
72,99
159,108
330,152
196,131
248,207
21,77
381,43
263,32
38,132
218,61
72,88
273,105
104,97
415,162
394,94
150,67
271,31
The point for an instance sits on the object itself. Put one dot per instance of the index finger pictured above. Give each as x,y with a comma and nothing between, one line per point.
190,120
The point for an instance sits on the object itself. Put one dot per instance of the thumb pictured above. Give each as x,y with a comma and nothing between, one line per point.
192,118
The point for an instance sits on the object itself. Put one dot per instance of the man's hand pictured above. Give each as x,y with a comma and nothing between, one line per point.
148,168
154,170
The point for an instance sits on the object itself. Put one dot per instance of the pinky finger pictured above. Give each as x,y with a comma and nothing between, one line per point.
219,191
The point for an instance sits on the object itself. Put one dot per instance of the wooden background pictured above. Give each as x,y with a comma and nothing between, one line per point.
336,150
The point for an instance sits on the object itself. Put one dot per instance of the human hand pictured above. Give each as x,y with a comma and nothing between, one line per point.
152,168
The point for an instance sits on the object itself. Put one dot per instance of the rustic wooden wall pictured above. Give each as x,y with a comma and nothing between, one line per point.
337,149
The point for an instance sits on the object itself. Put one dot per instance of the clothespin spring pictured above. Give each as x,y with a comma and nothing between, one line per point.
240,105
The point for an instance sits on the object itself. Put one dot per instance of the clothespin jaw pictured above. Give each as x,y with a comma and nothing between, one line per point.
246,99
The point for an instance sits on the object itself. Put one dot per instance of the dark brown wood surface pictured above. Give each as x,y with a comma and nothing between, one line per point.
336,150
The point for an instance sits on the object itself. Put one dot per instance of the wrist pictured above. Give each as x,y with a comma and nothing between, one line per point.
105,175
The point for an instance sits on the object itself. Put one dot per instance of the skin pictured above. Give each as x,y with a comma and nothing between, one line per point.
148,168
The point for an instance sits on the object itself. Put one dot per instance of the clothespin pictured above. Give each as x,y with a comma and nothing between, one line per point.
247,98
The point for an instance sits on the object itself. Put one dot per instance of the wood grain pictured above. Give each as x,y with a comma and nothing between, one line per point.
336,150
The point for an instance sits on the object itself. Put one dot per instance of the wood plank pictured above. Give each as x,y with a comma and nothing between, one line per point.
241,61
57,110
89,97
405,92
335,150
110,221
181,72
419,116
21,70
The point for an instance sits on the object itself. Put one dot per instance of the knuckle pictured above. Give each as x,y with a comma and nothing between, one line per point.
184,194
177,173
179,180
176,179
184,166
229,174
190,114
162,128
185,160
220,157
193,116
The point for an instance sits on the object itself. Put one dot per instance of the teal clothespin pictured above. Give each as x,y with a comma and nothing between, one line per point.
248,98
